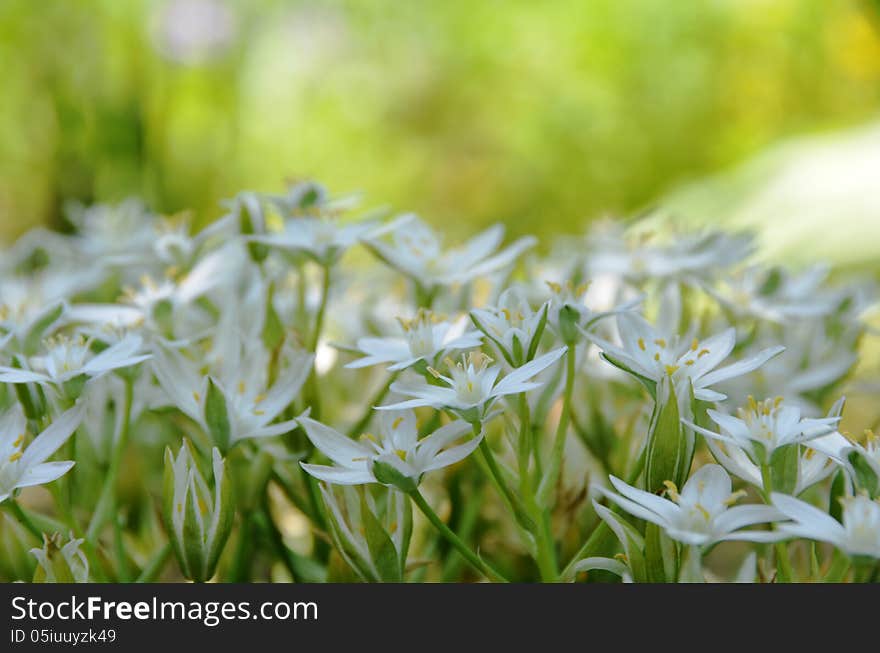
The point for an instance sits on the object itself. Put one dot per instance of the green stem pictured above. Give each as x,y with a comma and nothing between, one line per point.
155,565
19,515
548,483
546,546
107,503
454,540
512,500
784,573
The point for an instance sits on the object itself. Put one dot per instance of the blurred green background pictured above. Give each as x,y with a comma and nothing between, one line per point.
539,114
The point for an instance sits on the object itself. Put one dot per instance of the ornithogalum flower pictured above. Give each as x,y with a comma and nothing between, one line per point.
512,325
22,464
237,401
701,514
66,359
61,563
417,251
650,355
198,516
763,427
858,535
396,457
472,386
426,337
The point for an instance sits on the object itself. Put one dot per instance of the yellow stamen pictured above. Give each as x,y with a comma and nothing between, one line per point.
689,361
20,439
260,398
660,342
15,456
642,344
396,423
695,345
400,453
671,490
736,496
671,369
202,507
703,352
197,397
657,357
241,387
703,511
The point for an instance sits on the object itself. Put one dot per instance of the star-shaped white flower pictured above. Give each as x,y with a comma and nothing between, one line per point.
397,446
701,514
472,386
858,535
650,355
22,466
417,251
68,358
426,338
764,427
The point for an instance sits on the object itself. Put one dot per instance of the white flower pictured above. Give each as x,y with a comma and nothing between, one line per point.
777,295
59,563
199,516
36,302
701,514
22,466
650,355
323,238
250,403
686,256
512,324
769,424
417,251
348,530
426,337
115,235
68,358
472,386
397,446
858,535
812,465
156,301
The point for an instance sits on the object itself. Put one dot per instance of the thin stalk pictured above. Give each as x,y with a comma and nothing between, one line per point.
107,501
155,565
22,518
546,547
475,561
784,573
548,483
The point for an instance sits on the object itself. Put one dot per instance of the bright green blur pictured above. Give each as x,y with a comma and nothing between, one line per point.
539,114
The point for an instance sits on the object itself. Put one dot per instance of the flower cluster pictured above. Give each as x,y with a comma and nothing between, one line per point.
246,401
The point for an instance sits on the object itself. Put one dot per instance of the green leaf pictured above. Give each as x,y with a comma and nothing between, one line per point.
865,476
389,475
784,465
539,332
382,551
650,384
273,329
655,569
217,417
838,491
667,446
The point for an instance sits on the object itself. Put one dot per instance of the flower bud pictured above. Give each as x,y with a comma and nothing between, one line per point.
373,539
197,516
669,448
569,318
61,563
